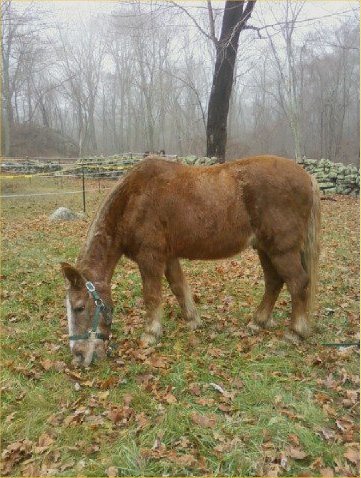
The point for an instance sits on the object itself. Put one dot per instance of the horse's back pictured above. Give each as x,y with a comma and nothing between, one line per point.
210,212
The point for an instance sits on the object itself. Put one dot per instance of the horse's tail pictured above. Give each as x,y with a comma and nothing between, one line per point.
312,247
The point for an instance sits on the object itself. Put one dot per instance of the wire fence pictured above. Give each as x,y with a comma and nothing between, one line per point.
20,176
45,177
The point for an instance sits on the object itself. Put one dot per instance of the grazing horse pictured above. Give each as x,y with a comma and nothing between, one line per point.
163,211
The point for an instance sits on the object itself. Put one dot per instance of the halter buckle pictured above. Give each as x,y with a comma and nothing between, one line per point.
92,334
90,286
99,303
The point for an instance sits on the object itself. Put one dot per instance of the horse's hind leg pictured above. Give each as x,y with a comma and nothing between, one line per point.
289,266
152,272
273,286
181,290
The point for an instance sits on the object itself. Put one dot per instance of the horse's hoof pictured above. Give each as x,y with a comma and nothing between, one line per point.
270,324
292,338
194,324
76,363
147,340
253,326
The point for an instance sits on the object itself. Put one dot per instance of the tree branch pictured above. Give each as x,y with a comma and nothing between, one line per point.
211,23
193,20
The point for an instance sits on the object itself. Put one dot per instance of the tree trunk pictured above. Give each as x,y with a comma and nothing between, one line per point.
234,20
7,112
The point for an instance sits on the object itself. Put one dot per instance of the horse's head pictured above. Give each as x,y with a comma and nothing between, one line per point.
89,312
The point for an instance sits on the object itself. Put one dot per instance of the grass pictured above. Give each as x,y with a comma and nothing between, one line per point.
131,417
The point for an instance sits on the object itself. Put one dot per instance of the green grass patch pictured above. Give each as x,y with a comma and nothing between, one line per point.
293,409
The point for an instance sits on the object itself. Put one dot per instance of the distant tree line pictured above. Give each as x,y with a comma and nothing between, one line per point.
140,78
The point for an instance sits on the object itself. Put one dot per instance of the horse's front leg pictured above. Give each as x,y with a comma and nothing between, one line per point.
151,273
182,291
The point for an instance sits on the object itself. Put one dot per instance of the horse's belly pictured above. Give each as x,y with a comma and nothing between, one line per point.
211,244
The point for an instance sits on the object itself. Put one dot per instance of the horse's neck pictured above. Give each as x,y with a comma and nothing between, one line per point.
101,250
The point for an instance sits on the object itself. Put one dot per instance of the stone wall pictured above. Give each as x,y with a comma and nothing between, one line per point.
30,166
334,178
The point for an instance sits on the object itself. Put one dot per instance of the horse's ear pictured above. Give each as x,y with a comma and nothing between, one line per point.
72,275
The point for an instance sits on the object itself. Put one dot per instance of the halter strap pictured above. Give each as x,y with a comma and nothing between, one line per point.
100,308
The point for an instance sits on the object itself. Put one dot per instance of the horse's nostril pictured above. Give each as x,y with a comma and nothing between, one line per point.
78,356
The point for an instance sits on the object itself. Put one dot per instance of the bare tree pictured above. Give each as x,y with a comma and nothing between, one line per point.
81,61
140,77
235,17
288,78
18,33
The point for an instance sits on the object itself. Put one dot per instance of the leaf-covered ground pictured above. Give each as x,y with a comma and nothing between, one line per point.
218,401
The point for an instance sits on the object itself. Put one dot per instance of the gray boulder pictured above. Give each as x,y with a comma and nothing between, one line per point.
64,214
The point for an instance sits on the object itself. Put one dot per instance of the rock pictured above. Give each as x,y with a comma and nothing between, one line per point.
334,177
329,191
327,185
65,214
351,177
191,159
310,162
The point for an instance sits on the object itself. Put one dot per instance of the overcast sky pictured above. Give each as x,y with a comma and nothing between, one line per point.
71,11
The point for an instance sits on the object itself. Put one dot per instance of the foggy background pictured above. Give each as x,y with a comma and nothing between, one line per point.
115,77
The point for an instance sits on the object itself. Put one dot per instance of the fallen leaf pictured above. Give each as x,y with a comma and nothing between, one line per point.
10,417
170,398
294,439
94,421
15,453
112,471
109,382
207,421
127,399
224,407
46,364
352,454
120,414
296,453
206,401
183,460
103,395
272,470
195,389
158,362
327,433
237,383
142,420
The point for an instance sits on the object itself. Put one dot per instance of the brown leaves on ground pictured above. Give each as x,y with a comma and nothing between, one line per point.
352,454
112,471
225,305
205,421
296,453
14,454
159,451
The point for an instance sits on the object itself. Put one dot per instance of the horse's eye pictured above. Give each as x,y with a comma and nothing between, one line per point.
79,309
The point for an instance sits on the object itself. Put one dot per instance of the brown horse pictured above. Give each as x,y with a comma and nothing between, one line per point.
163,211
